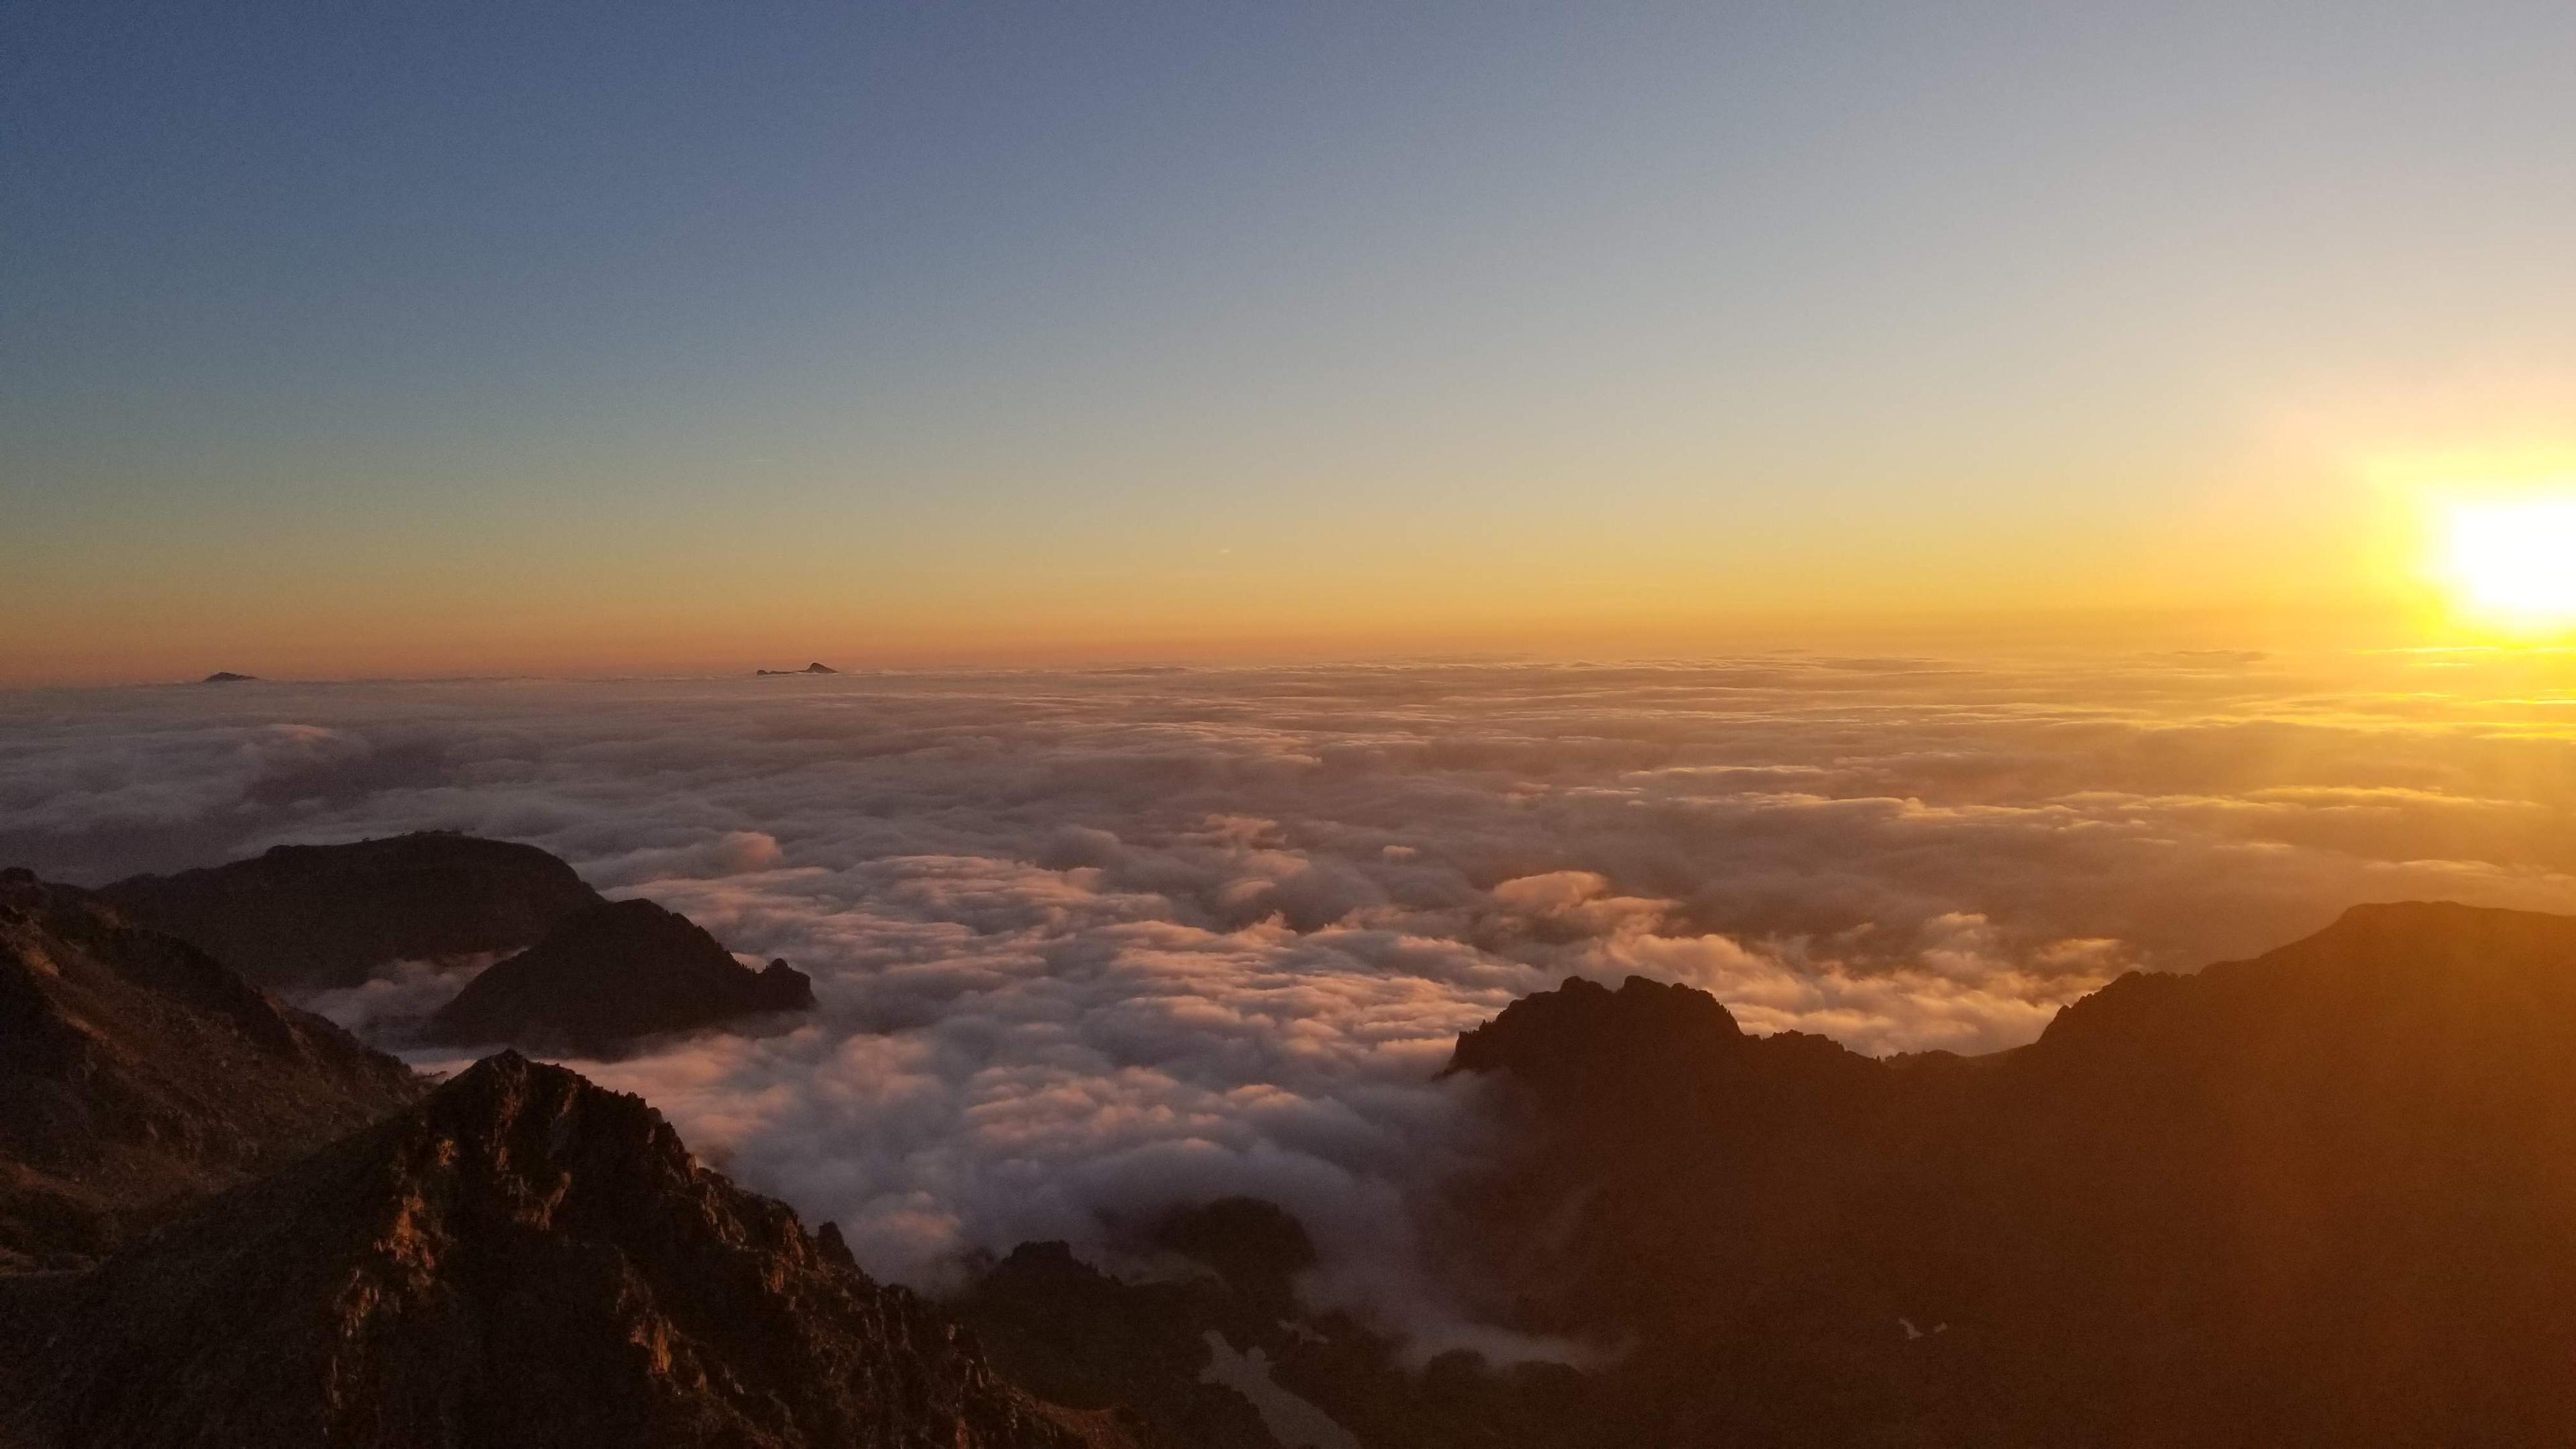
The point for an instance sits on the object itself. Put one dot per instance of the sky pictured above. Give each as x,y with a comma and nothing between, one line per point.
363,340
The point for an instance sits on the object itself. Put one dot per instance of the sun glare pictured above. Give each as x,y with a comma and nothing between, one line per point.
2517,561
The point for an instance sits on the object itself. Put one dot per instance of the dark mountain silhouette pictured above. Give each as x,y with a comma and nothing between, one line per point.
2327,1195
808,669
226,676
522,1258
327,915
1142,1348
610,974
2323,1196
1081,1337
137,1071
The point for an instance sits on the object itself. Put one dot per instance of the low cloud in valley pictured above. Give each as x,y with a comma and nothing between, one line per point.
1086,944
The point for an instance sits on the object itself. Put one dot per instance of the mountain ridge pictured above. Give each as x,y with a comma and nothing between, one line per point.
2319,1195
327,915
521,1257
2324,1194
141,1071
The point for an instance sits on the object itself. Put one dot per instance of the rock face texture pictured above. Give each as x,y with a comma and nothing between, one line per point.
136,1070
2323,1196
522,1259
327,915
609,975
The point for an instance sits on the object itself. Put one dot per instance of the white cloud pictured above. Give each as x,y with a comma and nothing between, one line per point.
1086,943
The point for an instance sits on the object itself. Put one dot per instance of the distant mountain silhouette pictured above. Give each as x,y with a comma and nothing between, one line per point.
226,676
522,1259
610,974
808,669
136,1071
2323,1196
327,915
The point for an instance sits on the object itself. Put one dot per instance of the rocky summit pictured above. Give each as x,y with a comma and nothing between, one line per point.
328,915
610,975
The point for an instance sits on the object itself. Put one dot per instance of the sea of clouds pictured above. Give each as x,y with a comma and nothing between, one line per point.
1088,944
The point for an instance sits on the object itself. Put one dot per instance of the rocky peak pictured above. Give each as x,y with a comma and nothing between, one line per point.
521,1258
1585,1041
2398,972
327,915
2318,1196
1256,1246
610,975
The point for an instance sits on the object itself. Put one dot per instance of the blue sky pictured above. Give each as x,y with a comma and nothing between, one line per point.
959,328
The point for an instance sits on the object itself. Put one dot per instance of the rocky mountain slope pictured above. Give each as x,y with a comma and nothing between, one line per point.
326,915
2323,1196
136,1070
521,1258
609,975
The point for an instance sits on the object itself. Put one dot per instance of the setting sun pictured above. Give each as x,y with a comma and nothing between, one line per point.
2517,560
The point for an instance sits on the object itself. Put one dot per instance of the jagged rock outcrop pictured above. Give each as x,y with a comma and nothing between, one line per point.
327,915
522,1258
2323,1196
1079,1336
815,668
136,1070
1144,1347
611,975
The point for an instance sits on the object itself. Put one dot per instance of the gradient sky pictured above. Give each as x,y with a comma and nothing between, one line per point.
430,338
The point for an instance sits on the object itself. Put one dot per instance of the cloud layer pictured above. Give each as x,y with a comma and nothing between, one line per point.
1089,943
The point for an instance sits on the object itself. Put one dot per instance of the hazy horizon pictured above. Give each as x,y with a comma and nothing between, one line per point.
1976,638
